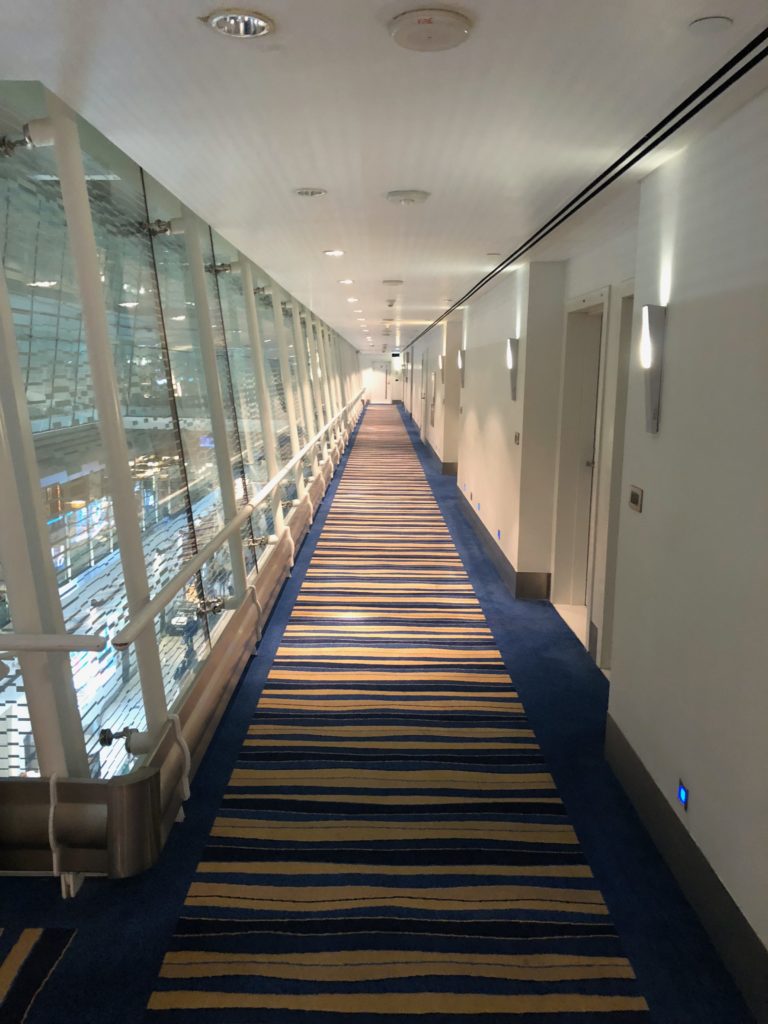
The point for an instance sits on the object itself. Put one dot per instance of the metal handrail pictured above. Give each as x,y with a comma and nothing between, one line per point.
33,643
134,627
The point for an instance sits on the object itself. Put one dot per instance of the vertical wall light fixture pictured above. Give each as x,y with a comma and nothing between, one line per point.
441,365
462,360
652,335
513,350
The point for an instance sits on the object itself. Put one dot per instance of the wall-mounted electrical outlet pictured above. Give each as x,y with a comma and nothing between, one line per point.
636,498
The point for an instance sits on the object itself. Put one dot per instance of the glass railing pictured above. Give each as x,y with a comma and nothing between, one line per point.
199,375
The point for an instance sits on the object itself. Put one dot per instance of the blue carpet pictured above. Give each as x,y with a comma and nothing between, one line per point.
124,928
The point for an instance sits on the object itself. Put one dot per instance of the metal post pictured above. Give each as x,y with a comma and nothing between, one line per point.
213,388
278,298
311,417
265,409
107,399
29,574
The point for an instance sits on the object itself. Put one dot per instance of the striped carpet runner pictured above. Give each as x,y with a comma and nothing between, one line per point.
391,846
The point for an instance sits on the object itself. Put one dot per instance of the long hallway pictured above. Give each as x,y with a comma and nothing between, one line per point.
391,842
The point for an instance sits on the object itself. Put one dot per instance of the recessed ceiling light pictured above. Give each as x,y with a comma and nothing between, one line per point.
42,284
347,280
430,29
239,24
311,193
361,319
353,300
408,196
394,283
711,24
333,252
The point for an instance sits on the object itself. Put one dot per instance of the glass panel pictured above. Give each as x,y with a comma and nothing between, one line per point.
182,635
17,746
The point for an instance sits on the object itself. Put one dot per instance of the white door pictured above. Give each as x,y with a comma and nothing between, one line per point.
377,381
577,457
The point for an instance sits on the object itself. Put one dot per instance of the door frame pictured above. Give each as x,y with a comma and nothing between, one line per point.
592,300
612,411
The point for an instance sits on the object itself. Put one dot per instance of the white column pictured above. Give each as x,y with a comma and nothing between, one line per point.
278,298
29,574
265,409
329,401
192,227
314,356
311,419
107,400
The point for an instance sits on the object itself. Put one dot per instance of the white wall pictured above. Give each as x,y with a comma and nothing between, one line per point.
689,682
689,685
442,435
511,485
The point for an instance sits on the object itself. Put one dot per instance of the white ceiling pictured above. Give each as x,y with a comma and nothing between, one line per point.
501,130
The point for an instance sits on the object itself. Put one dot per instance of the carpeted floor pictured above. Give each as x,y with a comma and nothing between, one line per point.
391,845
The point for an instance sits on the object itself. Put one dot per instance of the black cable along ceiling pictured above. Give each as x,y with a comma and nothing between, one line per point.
726,76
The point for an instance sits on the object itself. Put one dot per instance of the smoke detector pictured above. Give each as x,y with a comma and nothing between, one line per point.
429,29
407,196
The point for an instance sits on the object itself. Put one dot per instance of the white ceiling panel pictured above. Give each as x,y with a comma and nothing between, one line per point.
501,131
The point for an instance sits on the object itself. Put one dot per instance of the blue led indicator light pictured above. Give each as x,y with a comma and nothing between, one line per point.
682,795
498,534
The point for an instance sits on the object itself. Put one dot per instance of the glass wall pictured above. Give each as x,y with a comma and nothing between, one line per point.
186,370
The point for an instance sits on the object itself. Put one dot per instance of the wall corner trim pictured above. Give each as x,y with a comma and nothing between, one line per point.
525,586
742,952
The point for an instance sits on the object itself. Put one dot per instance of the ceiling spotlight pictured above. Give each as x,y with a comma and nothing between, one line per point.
358,311
311,193
239,24
347,280
392,283
711,24
408,196
430,29
333,252
353,300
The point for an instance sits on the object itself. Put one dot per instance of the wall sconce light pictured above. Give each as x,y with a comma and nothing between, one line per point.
441,364
652,336
513,350
462,358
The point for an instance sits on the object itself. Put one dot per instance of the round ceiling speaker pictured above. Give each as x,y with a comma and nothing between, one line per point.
429,29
